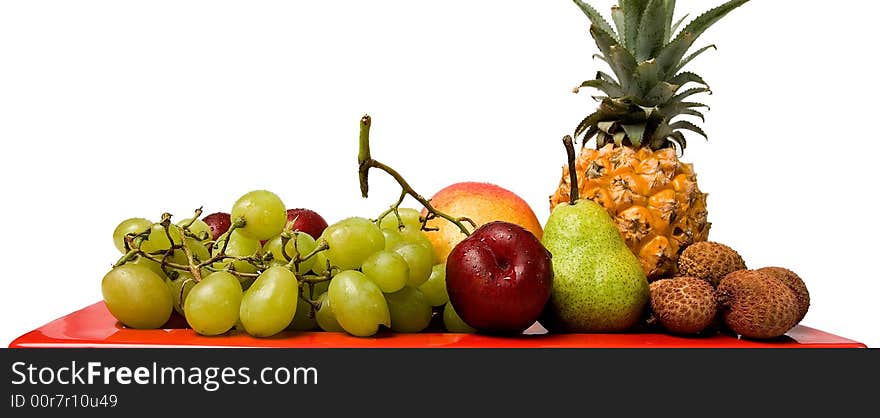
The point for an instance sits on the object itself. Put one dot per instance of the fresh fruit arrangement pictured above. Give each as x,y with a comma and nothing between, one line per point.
625,248
635,181
262,269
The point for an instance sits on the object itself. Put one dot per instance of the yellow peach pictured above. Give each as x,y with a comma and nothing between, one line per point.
482,203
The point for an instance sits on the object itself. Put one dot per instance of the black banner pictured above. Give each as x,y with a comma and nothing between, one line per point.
375,382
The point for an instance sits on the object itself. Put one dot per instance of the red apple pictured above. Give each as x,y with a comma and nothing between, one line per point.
499,278
219,223
307,221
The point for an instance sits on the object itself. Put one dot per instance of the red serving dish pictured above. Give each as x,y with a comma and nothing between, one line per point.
93,326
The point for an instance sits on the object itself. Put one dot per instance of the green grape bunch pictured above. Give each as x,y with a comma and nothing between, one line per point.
214,284
263,277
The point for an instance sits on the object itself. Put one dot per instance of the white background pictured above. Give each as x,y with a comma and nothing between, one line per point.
116,109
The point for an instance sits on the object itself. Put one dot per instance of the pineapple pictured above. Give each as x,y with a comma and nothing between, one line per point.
634,171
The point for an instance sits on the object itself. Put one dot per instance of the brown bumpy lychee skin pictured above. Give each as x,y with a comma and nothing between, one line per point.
757,305
710,261
683,305
794,282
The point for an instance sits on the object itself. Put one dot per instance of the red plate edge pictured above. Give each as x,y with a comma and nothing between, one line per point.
94,327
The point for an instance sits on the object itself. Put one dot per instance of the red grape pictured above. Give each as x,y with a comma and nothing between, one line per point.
219,223
307,221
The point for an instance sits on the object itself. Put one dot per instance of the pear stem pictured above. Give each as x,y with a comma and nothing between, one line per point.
572,172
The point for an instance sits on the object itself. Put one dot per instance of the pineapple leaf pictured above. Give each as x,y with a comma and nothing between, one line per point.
691,58
618,58
683,124
671,55
591,132
619,21
607,127
609,88
588,123
652,28
687,77
635,133
649,112
657,132
690,92
661,131
632,15
619,137
676,26
647,76
669,5
604,76
692,112
596,18
626,64
704,21
678,138
661,93
675,108
688,105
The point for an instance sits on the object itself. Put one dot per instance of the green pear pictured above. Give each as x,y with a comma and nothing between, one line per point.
599,285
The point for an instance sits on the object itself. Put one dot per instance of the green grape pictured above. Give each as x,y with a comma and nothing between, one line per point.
136,296
393,238
325,316
273,246
453,322
435,288
320,266
304,244
420,261
198,228
351,241
211,307
199,252
319,288
301,320
158,239
264,214
409,217
410,310
129,226
411,231
150,264
417,237
387,269
301,242
239,246
184,280
358,304
268,306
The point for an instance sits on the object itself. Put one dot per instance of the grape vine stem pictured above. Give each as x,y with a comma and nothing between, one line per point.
366,162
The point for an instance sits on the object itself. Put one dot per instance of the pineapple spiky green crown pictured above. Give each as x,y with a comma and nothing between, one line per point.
647,91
